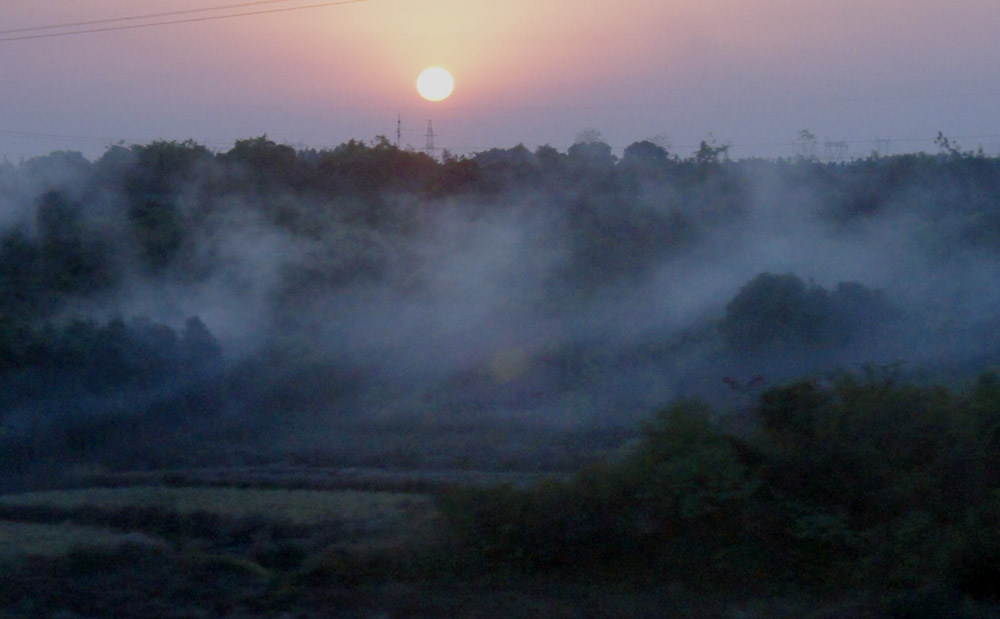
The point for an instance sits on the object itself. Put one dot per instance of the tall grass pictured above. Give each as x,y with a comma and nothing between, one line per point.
298,507
20,539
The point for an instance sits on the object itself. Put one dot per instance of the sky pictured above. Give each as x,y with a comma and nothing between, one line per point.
883,75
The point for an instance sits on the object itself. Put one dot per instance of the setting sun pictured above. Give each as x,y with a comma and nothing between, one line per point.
435,84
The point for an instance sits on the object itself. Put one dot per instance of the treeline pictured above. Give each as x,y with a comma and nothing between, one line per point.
120,393
330,263
857,481
80,228
137,394
107,357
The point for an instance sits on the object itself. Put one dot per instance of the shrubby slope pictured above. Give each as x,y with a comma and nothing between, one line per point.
264,298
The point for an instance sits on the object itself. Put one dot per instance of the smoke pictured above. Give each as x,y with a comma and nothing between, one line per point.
541,302
474,287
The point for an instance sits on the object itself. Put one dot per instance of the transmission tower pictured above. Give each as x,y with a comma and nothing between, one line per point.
882,145
835,151
429,147
399,128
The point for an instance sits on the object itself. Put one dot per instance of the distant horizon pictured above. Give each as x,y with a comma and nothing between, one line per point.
825,149
317,74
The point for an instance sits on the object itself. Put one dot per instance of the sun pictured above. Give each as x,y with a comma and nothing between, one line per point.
435,84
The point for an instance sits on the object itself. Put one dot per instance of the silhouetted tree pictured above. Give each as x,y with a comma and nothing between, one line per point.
775,311
23,291
261,165
153,184
644,153
71,259
199,346
591,154
710,154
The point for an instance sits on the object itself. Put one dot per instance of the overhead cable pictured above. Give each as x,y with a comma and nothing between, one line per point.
112,20
46,35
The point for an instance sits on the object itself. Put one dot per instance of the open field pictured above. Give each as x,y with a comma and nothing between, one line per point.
297,507
263,552
25,539
395,481
190,549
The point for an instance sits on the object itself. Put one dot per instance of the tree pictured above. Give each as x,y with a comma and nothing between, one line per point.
588,136
686,468
773,312
805,145
199,348
591,154
710,153
160,172
162,169
549,158
265,164
158,229
71,260
644,153
780,312
947,147
361,169
23,293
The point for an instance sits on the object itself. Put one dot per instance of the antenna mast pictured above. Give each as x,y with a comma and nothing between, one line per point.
429,147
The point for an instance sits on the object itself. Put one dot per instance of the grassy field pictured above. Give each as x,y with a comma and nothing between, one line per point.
299,507
265,552
25,539
193,550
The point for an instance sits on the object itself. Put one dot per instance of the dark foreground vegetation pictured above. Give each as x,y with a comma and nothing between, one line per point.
856,482
174,316
853,496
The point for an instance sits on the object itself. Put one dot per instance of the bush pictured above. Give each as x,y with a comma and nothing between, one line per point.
863,481
781,312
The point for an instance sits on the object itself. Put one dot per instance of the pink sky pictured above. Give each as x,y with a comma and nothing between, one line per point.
752,73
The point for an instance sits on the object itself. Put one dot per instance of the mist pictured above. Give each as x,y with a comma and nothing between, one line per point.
369,285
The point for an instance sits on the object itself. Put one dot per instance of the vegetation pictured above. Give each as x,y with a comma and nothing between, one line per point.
309,507
25,539
861,481
856,483
173,317
193,550
781,313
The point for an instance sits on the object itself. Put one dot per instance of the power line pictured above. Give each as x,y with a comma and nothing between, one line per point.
106,141
135,17
54,136
188,20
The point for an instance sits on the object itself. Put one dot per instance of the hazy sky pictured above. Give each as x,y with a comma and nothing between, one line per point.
752,73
